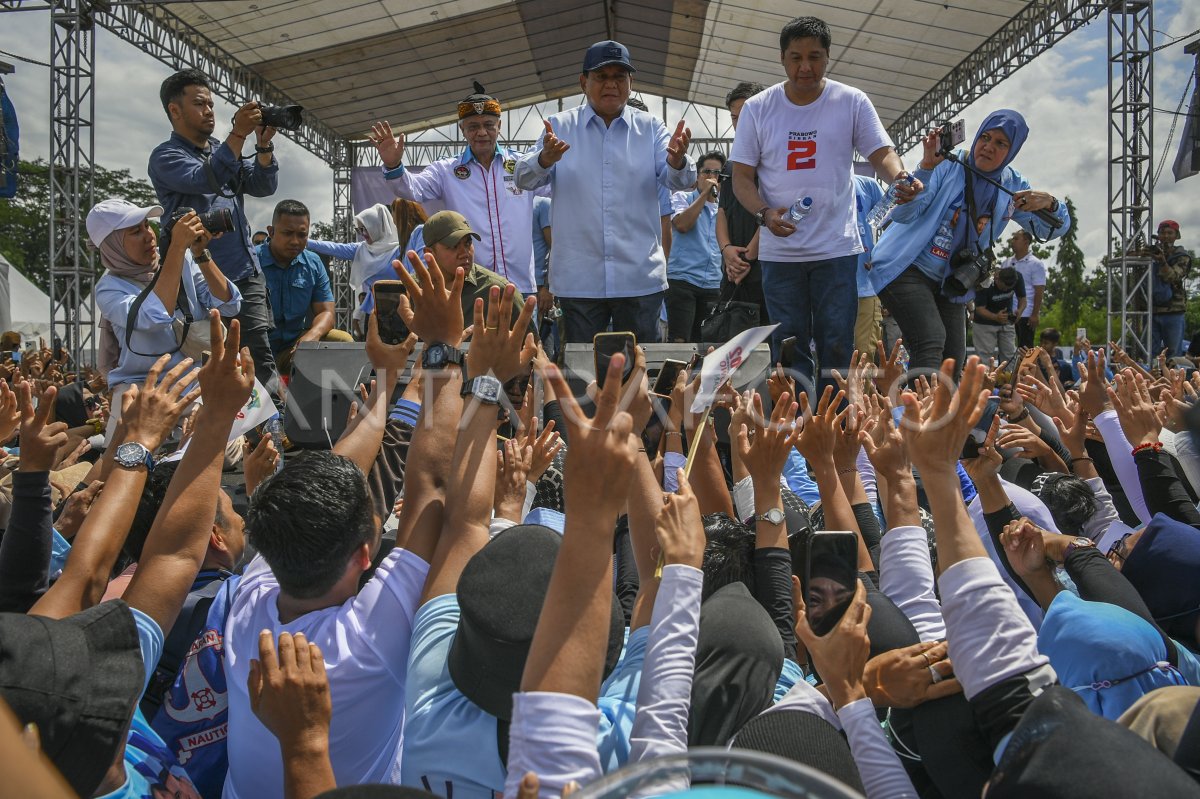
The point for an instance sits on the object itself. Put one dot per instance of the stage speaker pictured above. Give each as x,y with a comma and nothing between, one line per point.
325,380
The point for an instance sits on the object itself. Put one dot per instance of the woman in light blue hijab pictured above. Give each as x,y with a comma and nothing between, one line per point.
913,263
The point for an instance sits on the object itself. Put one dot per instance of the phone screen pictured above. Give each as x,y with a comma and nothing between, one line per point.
392,329
606,345
664,384
787,352
979,433
830,578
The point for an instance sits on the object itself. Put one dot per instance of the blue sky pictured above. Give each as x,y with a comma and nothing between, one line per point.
1062,93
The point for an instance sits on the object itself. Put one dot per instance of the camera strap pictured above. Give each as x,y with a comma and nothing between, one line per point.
181,304
972,211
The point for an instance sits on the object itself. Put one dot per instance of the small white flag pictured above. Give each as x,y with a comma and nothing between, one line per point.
721,363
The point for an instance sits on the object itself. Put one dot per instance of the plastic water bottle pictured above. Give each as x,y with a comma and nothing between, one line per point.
885,205
799,209
274,428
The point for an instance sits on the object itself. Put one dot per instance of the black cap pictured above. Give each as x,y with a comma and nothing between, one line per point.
500,597
1061,749
804,738
77,679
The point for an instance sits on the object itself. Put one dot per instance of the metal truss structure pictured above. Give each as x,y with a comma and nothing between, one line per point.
151,27
1130,174
1040,26
344,301
72,158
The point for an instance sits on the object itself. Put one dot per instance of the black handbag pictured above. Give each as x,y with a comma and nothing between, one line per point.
729,317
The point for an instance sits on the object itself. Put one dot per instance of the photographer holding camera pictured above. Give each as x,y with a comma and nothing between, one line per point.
929,261
1171,264
150,309
195,170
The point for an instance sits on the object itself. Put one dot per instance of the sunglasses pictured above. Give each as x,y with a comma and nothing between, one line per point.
1118,550
710,171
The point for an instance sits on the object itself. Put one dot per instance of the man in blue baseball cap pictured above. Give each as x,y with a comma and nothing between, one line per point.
609,269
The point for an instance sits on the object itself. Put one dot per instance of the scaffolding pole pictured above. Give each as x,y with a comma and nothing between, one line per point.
1130,175
72,159
343,230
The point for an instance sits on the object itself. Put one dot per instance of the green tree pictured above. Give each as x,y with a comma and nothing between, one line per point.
25,219
1066,282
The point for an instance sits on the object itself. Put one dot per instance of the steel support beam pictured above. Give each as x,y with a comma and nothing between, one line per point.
152,28
72,158
1130,174
1040,26
343,230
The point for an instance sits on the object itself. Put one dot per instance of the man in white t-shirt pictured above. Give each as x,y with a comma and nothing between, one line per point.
317,534
798,138
1033,272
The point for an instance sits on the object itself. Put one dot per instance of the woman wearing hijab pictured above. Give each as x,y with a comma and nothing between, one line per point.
140,324
377,248
958,212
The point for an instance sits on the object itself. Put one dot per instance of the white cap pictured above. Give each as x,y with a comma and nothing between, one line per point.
109,215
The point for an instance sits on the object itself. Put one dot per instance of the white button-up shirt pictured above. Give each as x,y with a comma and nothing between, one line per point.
605,216
494,207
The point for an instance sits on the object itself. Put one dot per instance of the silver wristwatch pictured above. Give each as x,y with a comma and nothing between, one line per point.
485,388
773,516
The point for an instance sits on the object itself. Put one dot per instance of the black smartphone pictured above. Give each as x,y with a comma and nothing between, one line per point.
830,578
787,352
664,384
606,345
392,329
953,134
979,433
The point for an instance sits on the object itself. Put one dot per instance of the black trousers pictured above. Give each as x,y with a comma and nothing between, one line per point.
257,321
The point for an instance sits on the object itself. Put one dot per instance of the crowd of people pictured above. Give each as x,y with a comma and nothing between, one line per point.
874,574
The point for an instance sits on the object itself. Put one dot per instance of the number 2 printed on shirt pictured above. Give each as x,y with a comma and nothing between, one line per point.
801,154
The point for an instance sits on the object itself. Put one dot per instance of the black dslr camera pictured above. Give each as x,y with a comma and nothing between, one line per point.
283,117
215,220
968,270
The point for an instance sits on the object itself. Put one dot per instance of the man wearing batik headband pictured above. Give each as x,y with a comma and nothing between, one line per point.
477,183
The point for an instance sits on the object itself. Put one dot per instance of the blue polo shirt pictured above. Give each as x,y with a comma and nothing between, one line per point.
541,248
695,256
293,289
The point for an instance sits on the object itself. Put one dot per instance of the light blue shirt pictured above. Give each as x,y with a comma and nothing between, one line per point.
541,248
153,332
866,194
450,745
606,215
695,257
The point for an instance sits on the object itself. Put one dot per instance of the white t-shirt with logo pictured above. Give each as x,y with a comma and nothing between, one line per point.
808,151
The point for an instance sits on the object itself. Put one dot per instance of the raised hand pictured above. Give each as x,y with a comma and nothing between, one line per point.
40,441
1135,410
545,447
258,463
1092,396
931,149
884,444
935,434
765,449
513,464
601,452
1025,546
390,358
821,429
552,147
289,693
780,383
76,510
429,307
389,146
247,118
150,411
989,460
227,379
679,528
678,146
1027,443
887,377
496,347
10,411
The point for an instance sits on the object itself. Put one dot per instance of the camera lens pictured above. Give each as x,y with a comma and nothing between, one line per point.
284,117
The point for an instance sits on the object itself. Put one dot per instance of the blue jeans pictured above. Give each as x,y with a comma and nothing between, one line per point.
813,300
1167,332
583,319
